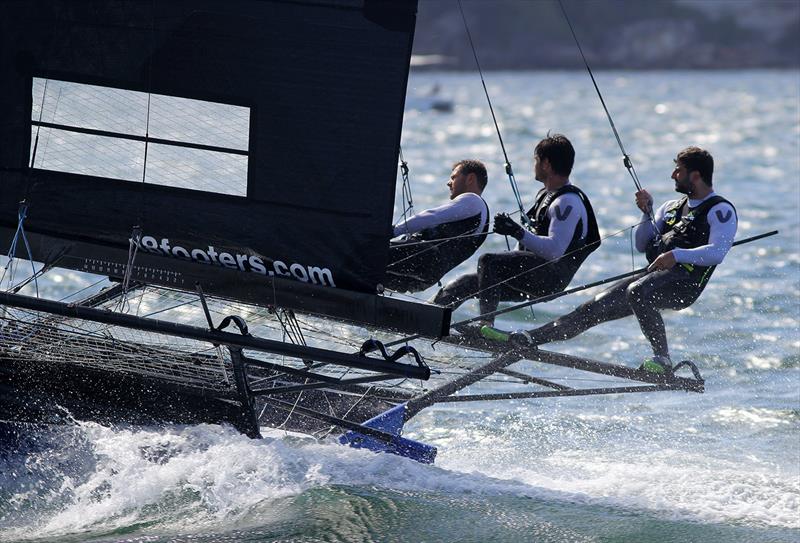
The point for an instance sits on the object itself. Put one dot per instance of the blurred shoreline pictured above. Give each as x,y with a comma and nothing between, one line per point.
428,68
614,34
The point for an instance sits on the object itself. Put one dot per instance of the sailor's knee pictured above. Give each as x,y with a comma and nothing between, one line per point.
643,295
486,260
485,265
632,290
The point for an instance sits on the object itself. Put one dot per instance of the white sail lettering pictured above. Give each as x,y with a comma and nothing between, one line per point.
280,268
227,260
246,263
299,272
150,244
212,254
321,276
200,256
180,252
257,265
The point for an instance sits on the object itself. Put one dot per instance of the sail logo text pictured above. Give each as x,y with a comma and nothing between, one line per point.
242,262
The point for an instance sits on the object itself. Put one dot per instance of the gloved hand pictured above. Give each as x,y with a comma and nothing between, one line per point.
505,225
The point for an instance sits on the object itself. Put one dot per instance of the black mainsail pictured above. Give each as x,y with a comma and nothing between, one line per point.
106,135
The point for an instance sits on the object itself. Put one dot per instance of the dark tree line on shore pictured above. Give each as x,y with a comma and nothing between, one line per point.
618,34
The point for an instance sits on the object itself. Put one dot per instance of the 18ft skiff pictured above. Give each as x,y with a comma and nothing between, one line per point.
225,171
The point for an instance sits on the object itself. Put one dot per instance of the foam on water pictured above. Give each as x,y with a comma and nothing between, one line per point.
201,478
194,479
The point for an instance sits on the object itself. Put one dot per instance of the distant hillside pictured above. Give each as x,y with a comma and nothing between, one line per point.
620,34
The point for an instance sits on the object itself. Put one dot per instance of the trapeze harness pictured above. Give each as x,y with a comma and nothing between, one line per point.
523,273
419,262
687,228
579,248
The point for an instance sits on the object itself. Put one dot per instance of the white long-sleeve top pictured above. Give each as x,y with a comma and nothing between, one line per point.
461,207
564,212
721,220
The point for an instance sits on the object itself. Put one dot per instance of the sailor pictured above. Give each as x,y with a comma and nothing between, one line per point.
694,233
564,232
434,241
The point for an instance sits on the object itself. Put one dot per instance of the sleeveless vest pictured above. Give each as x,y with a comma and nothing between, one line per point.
578,248
687,228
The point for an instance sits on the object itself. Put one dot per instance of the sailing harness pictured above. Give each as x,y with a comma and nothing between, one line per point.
579,247
444,246
687,228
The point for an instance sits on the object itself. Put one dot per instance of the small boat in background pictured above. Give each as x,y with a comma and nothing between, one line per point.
430,101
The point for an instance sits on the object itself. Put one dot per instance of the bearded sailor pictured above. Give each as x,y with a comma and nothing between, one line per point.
690,236
434,241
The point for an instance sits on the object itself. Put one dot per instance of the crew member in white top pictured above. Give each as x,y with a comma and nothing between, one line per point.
434,241
690,237
564,232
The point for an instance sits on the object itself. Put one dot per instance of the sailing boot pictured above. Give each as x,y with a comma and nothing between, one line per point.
517,339
659,364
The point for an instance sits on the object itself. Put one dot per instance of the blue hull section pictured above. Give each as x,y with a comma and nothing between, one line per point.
391,422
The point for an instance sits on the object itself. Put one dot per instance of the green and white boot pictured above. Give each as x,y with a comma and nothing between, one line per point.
521,338
659,364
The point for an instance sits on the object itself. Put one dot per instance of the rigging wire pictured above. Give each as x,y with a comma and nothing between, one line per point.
626,159
579,288
408,199
509,171
543,264
23,211
52,120
526,221
11,253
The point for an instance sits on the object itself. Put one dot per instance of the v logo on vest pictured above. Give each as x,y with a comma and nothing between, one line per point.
563,216
724,218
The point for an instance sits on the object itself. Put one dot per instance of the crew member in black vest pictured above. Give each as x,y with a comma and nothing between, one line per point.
694,235
564,233
437,240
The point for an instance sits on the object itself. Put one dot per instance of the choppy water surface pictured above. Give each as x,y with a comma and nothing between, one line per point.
723,466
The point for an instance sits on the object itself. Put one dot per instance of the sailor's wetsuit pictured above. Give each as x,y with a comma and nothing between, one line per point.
564,233
435,241
698,232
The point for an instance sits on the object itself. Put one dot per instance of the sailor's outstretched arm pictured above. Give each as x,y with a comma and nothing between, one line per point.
461,207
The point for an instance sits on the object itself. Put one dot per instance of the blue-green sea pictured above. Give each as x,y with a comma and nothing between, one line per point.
723,466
